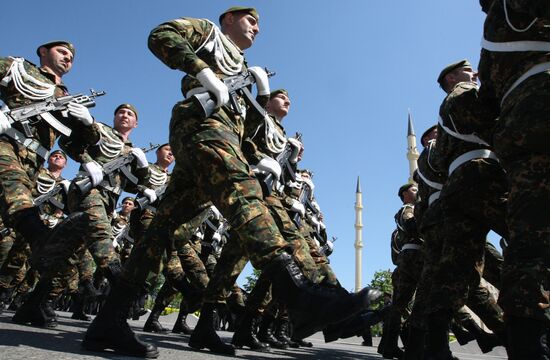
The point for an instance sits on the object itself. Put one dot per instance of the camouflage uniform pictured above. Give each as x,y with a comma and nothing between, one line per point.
210,165
473,198
120,226
521,141
19,165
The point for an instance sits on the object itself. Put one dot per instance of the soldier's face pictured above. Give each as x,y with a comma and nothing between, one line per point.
465,74
127,207
410,194
125,119
57,160
279,105
242,28
57,58
165,155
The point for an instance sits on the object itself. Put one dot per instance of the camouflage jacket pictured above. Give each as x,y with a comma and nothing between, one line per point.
110,146
430,179
406,226
45,182
255,143
499,70
462,112
41,130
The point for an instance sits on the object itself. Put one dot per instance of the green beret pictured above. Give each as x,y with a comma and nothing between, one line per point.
278,91
404,188
126,106
163,145
128,198
430,129
51,44
234,9
59,152
451,67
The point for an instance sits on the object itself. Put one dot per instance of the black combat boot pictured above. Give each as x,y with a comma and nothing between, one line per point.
438,336
283,330
462,335
204,335
392,329
297,343
245,335
181,327
414,349
110,331
5,298
485,340
265,333
88,289
78,308
152,324
354,326
527,339
37,309
312,307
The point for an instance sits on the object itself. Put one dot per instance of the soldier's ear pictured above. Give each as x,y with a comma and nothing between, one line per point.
42,51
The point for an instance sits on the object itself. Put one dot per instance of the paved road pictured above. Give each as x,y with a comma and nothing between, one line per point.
26,343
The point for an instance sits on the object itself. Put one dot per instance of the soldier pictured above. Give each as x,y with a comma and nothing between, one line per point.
472,198
23,149
122,241
409,267
211,166
97,205
514,73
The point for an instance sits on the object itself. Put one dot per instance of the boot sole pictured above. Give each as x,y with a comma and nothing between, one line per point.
101,346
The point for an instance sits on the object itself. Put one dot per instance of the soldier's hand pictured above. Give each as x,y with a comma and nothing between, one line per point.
95,172
150,194
297,148
140,158
262,80
65,184
4,122
298,207
81,113
210,81
269,165
310,184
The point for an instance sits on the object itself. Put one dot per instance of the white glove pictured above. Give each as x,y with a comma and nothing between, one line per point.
262,80
294,185
140,158
297,146
81,113
217,237
95,171
298,207
4,122
216,212
65,184
199,234
269,165
150,194
310,184
322,225
316,222
210,81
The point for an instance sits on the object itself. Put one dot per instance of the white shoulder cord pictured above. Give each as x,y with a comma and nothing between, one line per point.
109,145
18,75
157,178
510,23
44,184
275,140
228,57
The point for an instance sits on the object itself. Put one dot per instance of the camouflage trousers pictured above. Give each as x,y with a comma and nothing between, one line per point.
521,142
468,216
16,264
325,272
210,166
17,181
81,269
478,298
492,267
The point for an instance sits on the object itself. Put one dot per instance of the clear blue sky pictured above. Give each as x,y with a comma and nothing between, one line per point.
353,68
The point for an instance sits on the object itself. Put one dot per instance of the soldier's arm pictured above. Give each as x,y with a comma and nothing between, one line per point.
175,42
76,146
536,8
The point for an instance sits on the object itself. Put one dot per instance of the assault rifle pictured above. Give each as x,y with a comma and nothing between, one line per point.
123,237
213,231
142,201
50,197
288,170
41,111
304,199
121,163
237,86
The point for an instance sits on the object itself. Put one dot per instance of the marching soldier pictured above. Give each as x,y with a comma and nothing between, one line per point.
210,166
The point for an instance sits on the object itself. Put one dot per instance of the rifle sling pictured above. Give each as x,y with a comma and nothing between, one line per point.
252,102
29,143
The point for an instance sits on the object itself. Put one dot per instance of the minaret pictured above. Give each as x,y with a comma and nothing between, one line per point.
358,235
412,151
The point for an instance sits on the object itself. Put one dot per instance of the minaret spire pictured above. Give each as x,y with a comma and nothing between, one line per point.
412,151
358,235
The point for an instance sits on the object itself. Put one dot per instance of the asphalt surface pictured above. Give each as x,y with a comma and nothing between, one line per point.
19,342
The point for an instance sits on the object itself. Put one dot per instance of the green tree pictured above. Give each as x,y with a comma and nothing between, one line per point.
251,280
